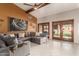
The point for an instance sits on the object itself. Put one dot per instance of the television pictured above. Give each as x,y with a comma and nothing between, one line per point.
17,24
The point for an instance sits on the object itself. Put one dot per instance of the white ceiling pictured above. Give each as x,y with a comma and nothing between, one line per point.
24,7
50,9
54,8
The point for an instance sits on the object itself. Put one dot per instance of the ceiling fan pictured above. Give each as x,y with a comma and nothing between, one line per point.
36,5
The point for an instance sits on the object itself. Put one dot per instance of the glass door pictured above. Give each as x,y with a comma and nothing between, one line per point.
63,30
56,30
40,28
67,31
44,28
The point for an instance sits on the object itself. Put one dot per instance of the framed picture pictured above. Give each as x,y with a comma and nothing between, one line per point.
17,24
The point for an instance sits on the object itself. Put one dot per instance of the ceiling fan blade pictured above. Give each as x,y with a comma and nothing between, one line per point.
27,4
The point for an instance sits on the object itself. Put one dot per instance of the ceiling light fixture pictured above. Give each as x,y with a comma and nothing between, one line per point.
35,8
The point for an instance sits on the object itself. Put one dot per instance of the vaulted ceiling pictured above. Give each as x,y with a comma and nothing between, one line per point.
29,7
24,7
50,9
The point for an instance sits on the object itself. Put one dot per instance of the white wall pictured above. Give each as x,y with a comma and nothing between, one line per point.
73,14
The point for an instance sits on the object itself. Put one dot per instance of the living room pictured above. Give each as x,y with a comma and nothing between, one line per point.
31,29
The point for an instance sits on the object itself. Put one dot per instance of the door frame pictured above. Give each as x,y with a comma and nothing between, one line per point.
43,26
60,22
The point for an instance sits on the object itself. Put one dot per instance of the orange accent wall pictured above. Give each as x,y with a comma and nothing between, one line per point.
11,10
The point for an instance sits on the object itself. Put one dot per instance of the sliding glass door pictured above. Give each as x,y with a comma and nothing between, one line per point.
63,30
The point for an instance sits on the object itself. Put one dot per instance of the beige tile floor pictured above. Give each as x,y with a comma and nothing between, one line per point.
55,48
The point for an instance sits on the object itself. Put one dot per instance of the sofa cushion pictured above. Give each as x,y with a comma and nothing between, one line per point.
21,34
12,35
9,40
4,51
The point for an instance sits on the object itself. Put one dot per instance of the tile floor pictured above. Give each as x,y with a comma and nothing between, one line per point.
55,48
